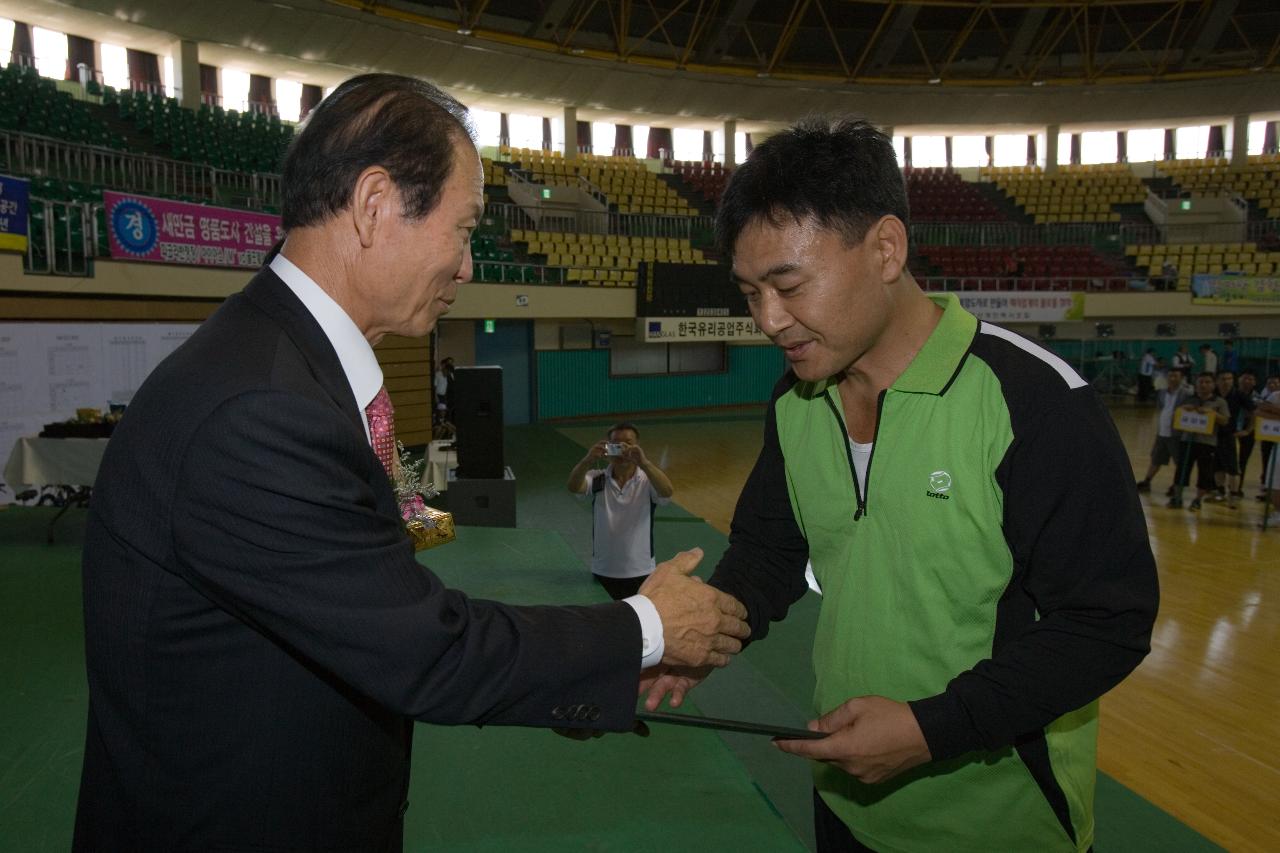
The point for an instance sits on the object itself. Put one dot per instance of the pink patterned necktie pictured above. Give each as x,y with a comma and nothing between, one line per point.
382,429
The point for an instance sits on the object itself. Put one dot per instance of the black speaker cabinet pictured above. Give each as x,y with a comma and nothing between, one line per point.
483,503
476,396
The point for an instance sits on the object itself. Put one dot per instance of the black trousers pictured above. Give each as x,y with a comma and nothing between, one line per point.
1145,387
620,588
831,833
1245,450
1202,456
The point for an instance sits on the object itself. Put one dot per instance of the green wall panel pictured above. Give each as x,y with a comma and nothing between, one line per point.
572,383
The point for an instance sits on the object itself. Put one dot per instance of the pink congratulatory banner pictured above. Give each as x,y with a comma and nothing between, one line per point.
142,228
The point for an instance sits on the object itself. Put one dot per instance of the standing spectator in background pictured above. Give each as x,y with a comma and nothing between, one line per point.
1208,360
1183,360
443,379
1226,473
1167,445
1273,386
623,499
1247,398
1199,449
1230,358
1270,408
1146,375
1160,380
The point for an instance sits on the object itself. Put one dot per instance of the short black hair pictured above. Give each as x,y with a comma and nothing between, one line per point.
406,125
1202,374
1248,371
1222,373
841,172
622,425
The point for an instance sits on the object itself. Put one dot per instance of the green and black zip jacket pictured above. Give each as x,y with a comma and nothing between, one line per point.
995,573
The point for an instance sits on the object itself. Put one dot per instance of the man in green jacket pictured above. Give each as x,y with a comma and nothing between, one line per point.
968,509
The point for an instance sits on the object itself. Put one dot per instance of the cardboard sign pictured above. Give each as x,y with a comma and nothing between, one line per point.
1187,419
1266,429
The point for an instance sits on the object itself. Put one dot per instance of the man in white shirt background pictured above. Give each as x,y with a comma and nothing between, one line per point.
624,496
1146,375
441,383
1208,359
1167,446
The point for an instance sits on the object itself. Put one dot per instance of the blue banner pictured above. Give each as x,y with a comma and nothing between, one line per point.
13,213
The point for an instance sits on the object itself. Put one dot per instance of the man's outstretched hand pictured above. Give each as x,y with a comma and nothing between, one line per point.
701,626
661,680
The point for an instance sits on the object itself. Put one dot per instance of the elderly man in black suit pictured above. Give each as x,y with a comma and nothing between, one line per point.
259,636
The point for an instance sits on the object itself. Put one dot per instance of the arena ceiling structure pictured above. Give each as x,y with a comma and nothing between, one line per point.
932,66
889,42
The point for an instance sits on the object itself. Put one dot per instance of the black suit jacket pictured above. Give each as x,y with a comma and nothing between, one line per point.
258,634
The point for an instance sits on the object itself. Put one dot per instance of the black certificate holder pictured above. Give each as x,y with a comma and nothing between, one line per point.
741,726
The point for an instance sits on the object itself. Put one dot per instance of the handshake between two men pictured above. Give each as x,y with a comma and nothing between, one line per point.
702,627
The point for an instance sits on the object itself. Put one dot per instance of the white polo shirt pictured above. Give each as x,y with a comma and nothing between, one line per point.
622,532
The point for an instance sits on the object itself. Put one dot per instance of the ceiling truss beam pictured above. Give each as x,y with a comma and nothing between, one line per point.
720,39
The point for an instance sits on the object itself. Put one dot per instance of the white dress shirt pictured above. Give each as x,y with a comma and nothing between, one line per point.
365,377
354,353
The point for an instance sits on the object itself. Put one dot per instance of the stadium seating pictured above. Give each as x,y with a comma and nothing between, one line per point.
1021,267
33,104
224,139
627,184
1258,181
707,179
609,260
940,195
1188,259
244,142
1072,194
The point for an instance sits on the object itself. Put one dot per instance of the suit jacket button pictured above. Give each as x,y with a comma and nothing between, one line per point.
557,713
404,807
594,714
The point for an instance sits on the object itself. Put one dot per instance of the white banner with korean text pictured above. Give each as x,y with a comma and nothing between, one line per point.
667,330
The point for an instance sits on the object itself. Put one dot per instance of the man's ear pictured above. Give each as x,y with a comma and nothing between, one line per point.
371,202
890,247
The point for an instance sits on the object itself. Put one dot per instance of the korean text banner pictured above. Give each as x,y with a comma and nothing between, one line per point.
1021,306
13,213
174,232
1236,289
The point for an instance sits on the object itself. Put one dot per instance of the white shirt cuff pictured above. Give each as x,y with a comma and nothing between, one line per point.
652,645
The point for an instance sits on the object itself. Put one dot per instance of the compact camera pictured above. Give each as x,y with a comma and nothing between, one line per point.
612,448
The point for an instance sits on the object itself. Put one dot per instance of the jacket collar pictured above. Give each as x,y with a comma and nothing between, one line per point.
275,299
